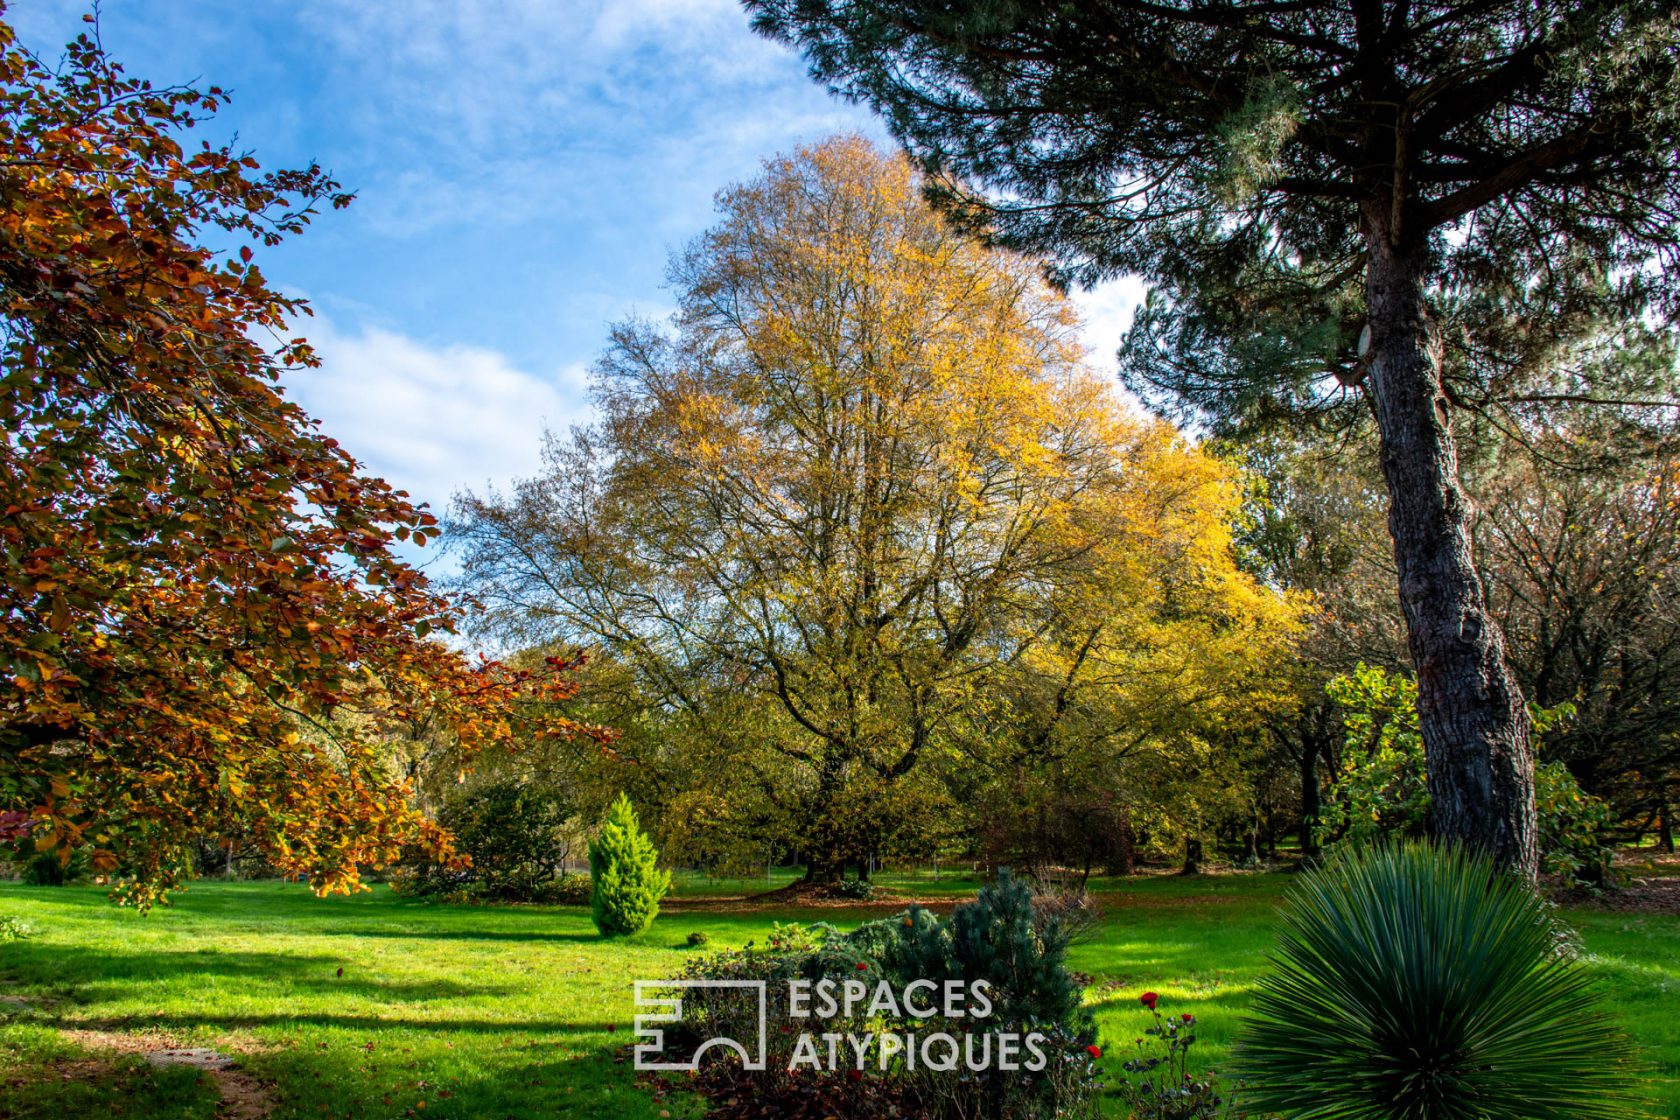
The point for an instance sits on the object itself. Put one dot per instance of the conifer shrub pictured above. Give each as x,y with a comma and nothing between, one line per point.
997,938
624,869
1001,939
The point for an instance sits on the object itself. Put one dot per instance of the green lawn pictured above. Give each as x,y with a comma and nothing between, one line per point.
510,1012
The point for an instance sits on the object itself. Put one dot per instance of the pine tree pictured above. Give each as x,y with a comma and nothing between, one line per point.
1333,200
624,868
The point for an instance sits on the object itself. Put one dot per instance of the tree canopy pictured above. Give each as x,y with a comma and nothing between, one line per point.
1428,205
866,481
203,624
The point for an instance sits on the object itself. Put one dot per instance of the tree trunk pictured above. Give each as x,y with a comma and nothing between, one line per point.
1192,858
1123,852
1311,795
1665,830
825,869
1470,710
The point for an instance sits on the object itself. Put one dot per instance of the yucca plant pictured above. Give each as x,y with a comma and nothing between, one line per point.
1417,983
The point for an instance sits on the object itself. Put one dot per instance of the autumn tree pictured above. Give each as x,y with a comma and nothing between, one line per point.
1327,197
203,626
1314,524
1583,570
1576,538
1157,663
827,513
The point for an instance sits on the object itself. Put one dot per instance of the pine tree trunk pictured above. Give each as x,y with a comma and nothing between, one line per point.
1471,712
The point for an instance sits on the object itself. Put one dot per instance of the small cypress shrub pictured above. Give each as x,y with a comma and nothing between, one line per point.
624,868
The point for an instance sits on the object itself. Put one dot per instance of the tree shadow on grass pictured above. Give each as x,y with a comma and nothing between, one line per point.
530,1080
308,976
519,935
177,1024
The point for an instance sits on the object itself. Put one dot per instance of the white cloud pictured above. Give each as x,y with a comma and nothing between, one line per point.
433,419
1107,311
506,111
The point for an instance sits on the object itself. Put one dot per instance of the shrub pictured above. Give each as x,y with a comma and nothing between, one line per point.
515,833
696,940
1573,825
854,888
998,938
623,866
1416,983
48,870
1073,909
14,929
912,945
1380,789
567,890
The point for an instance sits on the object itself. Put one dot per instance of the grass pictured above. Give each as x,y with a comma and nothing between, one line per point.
520,1012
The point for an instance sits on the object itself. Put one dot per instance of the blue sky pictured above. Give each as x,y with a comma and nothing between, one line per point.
523,168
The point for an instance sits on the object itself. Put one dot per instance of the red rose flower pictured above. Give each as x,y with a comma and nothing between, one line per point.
862,965
1187,1016
854,1075
1148,1000
1094,1051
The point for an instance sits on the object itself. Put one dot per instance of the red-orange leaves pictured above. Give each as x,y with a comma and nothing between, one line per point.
203,630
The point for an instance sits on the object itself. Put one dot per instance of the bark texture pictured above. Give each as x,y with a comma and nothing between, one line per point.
1475,725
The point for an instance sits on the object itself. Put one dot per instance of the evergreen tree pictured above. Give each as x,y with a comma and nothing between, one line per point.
1334,199
624,870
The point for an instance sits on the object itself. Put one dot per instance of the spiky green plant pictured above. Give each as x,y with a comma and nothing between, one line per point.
624,867
1416,983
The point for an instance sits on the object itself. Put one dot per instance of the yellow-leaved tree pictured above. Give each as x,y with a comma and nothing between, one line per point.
863,484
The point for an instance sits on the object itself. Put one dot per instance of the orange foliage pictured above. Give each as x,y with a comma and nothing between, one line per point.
203,627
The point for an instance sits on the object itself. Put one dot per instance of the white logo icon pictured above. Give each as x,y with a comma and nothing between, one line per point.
649,1052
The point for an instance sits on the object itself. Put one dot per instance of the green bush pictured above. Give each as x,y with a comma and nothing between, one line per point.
48,870
14,929
998,938
1573,825
1415,983
854,888
624,867
697,940
1380,792
567,890
515,833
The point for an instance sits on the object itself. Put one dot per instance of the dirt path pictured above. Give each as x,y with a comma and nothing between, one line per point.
243,1096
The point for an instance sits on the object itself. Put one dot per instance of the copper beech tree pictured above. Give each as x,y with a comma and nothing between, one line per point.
203,627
